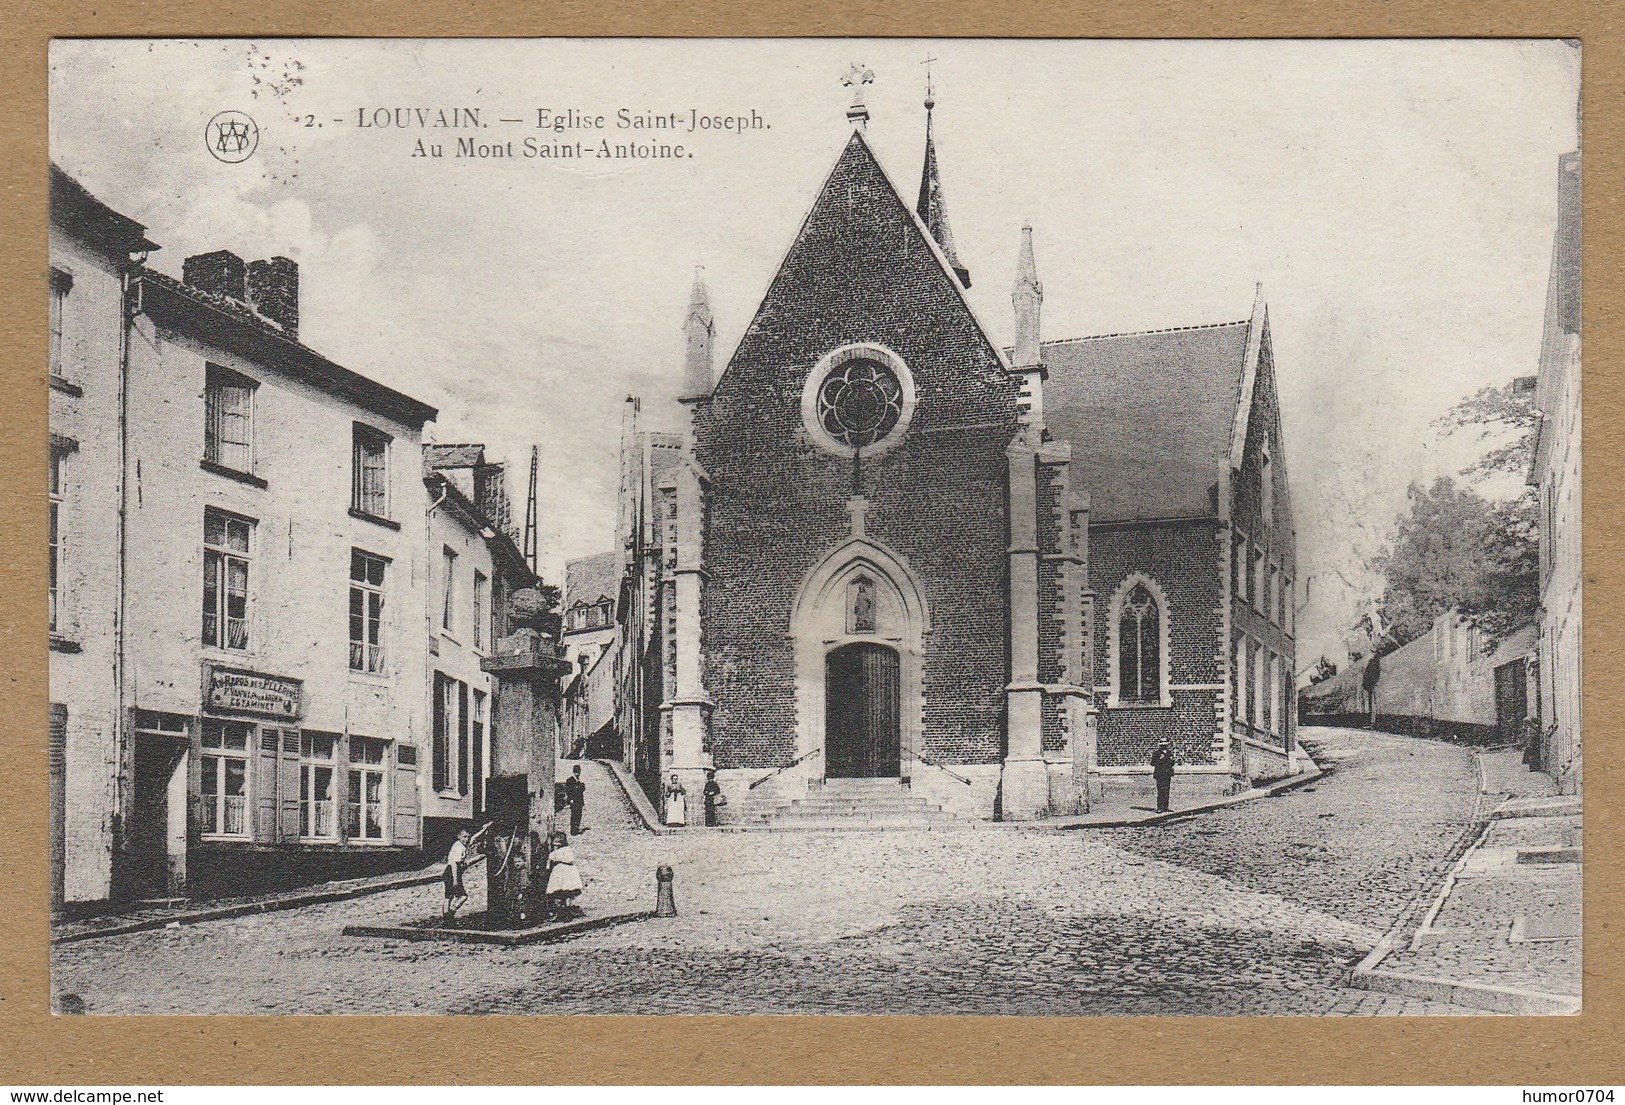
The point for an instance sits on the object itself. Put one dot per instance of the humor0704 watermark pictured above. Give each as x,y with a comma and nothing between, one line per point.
1568,1097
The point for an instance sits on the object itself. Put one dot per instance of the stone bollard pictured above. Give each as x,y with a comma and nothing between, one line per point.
665,903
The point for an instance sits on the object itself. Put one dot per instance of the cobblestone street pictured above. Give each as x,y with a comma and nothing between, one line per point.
1259,908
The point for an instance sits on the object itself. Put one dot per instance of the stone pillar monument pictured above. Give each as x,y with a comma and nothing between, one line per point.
524,752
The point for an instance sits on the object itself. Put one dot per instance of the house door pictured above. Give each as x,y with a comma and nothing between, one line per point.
861,735
1511,699
158,816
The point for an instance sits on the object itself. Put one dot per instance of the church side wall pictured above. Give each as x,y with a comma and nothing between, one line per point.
1179,557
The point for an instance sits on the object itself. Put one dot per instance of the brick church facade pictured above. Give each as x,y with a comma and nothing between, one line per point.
890,553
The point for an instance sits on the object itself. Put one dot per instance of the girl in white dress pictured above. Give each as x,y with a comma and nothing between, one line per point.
676,803
563,876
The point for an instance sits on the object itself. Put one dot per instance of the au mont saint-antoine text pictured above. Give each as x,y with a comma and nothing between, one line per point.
565,133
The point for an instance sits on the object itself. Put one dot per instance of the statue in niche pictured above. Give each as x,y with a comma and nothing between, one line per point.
861,606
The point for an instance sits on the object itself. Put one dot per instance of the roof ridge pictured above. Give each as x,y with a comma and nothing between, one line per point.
1141,333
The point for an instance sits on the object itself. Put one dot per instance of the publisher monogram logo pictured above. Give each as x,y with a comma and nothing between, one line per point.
231,137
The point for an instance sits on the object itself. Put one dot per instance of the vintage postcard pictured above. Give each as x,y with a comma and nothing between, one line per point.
815,526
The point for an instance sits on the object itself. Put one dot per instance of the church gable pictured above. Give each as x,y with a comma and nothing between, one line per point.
1260,454
862,270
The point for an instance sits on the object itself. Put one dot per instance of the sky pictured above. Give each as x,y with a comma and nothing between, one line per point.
1396,199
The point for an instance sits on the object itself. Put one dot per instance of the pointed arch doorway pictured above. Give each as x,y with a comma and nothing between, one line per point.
862,734
858,626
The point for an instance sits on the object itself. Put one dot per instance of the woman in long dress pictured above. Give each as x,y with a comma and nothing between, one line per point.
563,876
676,803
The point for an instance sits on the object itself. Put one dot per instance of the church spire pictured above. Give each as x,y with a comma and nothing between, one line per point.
698,330
1028,298
932,209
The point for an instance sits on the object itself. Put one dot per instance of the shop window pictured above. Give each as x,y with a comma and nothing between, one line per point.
367,612
223,795
227,546
450,696
228,436
318,818
369,477
367,804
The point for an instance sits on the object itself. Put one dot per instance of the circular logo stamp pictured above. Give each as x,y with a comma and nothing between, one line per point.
231,137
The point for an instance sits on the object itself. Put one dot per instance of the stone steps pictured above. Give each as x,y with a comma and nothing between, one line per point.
847,803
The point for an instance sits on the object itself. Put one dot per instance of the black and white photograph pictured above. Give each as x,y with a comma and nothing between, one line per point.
815,526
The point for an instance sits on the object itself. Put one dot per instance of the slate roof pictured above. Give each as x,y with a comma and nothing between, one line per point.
1149,416
74,208
589,579
453,456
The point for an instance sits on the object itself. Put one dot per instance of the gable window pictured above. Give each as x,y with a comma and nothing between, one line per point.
58,484
1266,490
367,612
1139,644
61,282
365,809
482,599
317,775
224,791
227,540
369,472
228,434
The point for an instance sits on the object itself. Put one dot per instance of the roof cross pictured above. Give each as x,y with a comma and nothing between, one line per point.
856,78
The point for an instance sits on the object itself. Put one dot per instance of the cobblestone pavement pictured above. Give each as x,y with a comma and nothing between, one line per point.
1260,908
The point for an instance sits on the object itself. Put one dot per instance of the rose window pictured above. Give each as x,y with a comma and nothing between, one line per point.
860,402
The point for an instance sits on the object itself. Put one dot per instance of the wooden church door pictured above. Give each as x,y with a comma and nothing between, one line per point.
861,734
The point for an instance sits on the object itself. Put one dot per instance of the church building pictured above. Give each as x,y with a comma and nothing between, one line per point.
894,562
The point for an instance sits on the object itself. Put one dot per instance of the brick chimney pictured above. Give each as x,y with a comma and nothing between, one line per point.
219,273
273,291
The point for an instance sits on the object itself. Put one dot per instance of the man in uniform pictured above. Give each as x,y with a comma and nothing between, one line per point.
1162,770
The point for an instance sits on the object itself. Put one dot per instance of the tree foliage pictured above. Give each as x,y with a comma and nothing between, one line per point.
1455,549
1492,412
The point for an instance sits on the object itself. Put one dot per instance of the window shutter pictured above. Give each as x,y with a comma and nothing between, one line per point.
405,796
288,786
264,784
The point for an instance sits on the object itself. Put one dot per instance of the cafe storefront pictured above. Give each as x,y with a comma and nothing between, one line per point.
245,797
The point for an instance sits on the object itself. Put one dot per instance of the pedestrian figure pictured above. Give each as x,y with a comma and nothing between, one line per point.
575,795
676,803
458,861
563,876
1162,770
713,798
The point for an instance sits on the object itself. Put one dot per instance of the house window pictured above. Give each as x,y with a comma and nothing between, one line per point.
1238,566
228,436
446,723
226,550
366,612
1256,593
1258,708
448,587
223,796
1289,605
318,818
58,484
61,282
1272,592
482,600
1139,648
369,473
366,793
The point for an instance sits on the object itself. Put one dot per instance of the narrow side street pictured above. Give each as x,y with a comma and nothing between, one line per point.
1257,909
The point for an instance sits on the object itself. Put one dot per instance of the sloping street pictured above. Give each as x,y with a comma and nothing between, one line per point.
1260,908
